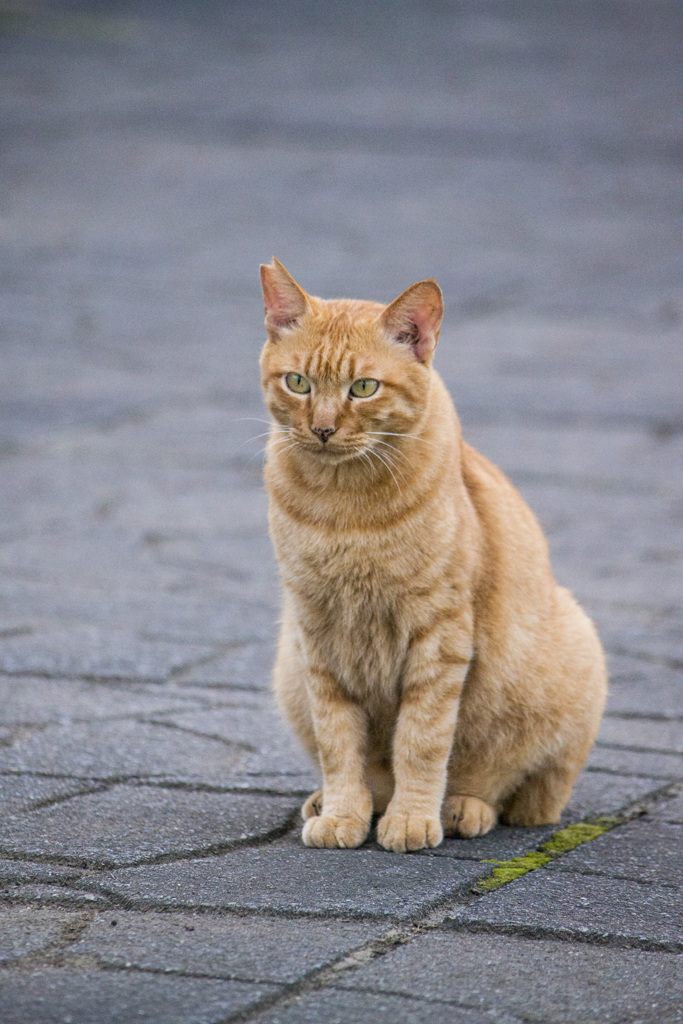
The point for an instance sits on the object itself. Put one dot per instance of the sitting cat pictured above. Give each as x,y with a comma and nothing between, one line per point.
428,661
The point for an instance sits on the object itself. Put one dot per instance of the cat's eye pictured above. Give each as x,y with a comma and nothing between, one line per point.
295,382
364,388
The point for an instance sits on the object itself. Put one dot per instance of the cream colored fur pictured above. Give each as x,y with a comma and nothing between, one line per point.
428,661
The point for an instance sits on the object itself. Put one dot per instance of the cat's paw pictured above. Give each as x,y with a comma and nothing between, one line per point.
399,831
332,831
313,805
467,816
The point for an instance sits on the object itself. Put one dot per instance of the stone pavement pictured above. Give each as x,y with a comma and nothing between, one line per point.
528,156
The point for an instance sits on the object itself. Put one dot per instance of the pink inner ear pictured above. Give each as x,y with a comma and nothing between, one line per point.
427,325
283,301
414,318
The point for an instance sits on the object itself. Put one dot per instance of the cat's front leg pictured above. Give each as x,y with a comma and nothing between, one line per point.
422,744
341,734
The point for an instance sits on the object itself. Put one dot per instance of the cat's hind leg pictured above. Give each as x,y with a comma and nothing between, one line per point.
541,797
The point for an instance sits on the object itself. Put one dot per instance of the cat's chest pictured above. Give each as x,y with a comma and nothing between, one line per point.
352,565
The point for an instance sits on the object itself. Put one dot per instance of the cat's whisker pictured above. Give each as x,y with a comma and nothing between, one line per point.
393,448
254,419
271,444
266,433
394,465
296,444
391,458
366,458
394,433
388,467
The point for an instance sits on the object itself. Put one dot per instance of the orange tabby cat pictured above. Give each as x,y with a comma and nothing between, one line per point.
428,661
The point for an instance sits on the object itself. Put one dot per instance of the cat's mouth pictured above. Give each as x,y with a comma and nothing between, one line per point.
332,451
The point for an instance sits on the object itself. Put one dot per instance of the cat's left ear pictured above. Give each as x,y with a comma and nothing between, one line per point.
285,300
414,318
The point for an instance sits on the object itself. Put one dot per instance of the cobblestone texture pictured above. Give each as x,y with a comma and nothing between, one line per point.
529,158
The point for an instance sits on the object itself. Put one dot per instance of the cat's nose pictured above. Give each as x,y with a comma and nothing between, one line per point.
324,432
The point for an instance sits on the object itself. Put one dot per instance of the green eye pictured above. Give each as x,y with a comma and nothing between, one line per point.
364,388
295,382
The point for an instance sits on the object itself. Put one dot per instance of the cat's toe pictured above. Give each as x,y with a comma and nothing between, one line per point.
313,806
331,831
398,831
467,816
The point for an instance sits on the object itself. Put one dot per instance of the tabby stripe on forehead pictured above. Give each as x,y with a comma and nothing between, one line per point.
329,364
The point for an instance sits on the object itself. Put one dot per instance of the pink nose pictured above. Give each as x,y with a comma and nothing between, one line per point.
324,432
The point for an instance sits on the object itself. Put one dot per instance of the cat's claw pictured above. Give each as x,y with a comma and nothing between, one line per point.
332,831
399,831
467,816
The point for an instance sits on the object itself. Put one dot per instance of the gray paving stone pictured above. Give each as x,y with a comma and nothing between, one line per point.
27,699
582,906
89,651
599,793
630,538
19,872
581,455
23,792
657,765
502,843
25,930
288,877
671,810
248,666
174,617
339,1007
649,634
124,749
642,733
261,728
644,689
537,980
38,895
645,850
55,995
132,824
242,948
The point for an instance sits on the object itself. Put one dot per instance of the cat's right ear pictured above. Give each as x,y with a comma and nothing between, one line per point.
285,300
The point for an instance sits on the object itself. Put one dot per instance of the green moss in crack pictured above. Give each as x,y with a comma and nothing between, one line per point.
562,842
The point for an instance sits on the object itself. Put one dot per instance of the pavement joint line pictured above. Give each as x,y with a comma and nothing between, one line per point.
63,798
239,744
85,677
436,1001
524,477
637,716
624,773
594,873
202,853
560,934
132,681
656,659
306,138
161,782
605,745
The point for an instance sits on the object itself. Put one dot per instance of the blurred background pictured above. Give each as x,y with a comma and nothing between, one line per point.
527,155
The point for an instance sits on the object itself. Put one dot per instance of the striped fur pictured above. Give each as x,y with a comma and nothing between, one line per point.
428,661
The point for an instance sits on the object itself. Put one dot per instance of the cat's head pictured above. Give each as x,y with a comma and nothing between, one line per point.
342,374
